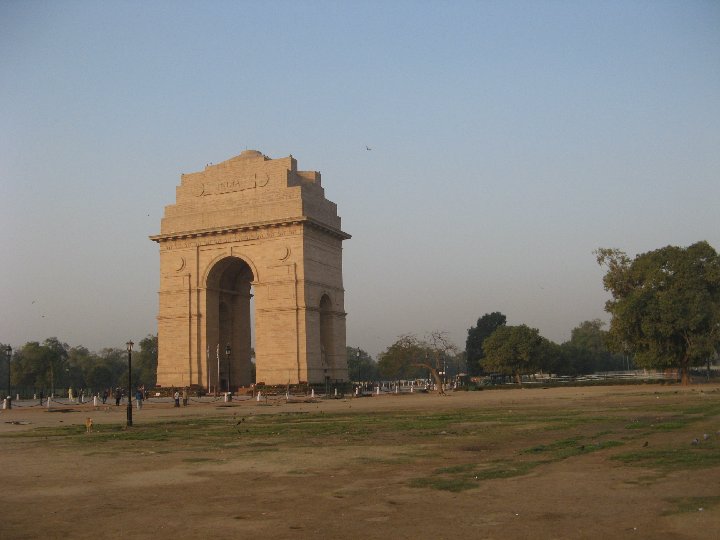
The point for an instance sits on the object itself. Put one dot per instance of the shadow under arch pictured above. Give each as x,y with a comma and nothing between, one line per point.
228,322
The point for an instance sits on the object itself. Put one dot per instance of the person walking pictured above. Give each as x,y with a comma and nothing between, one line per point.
118,396
104,396
177,398
185,397
139,398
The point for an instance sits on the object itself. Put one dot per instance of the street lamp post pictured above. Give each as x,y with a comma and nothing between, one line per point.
129,403
228,350
8,351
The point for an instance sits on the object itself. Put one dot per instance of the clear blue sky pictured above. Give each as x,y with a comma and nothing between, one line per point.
509,140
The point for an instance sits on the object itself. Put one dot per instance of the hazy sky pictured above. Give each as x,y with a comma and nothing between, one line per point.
509,140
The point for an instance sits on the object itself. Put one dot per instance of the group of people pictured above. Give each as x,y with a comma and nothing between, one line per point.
176,397
119,393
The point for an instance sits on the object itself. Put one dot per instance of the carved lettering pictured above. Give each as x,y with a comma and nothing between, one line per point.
234,185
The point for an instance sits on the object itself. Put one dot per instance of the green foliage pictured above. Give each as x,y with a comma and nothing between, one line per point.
36,365
474,351
665,304
397,362
361,366
145,362
514,350
410,357
54,366
587,351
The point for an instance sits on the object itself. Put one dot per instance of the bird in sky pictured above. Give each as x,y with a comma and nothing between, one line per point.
367,148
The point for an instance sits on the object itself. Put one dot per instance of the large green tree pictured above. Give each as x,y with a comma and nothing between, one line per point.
665,304
361,366
145,362
515,350
38,365
587,351
474,352
399,360
410,357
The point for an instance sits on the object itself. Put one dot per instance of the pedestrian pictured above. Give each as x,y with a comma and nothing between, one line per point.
118,396
139,398
104,396
41,397
185,397
177,398
70,394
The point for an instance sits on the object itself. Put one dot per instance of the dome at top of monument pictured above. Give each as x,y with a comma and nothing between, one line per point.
250,154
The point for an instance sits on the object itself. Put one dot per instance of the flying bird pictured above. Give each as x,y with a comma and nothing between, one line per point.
367,148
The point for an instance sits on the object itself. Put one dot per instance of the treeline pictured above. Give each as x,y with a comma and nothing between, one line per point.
665,308
513,350
54,366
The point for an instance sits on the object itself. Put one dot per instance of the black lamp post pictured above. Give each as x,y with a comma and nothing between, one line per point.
8,351
129,405
228,350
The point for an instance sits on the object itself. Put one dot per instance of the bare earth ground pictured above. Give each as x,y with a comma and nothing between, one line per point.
522,463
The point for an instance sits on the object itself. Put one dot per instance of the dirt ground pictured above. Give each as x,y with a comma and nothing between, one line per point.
370,481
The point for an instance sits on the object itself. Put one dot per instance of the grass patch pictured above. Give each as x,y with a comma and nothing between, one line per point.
566,448
507,470
454,485
467,476
685,505
672,459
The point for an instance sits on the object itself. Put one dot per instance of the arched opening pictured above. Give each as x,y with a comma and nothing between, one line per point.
327,361
229,325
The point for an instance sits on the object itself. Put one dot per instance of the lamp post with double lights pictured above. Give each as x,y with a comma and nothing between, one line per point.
129,403
228,350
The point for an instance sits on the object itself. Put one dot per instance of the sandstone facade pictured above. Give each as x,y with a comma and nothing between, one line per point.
251,232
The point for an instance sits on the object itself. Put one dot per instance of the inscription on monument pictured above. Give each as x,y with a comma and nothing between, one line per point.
234,184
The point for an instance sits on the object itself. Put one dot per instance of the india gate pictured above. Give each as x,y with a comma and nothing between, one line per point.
251,241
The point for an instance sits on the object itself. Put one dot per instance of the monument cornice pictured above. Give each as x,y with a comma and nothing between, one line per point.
216,231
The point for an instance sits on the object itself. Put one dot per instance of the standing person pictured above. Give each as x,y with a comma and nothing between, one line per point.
185,397
139,398
104,396
70,394
177,398
118,396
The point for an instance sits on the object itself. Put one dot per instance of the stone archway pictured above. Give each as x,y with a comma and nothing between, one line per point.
257,224
228,324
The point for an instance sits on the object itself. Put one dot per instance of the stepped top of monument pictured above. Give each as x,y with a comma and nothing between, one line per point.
251,154
248,190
